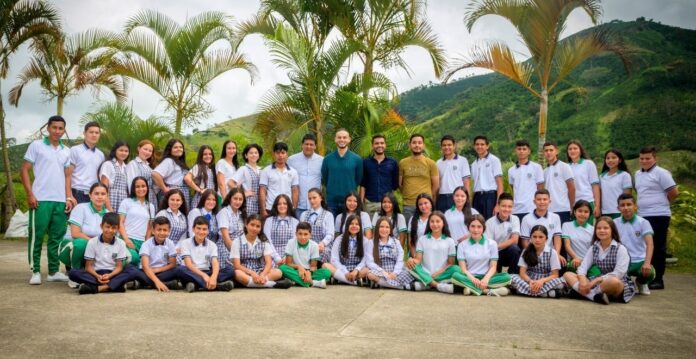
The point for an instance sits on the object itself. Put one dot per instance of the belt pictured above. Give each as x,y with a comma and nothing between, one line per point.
486,192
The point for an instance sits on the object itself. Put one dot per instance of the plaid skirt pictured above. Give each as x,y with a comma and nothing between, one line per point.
522,287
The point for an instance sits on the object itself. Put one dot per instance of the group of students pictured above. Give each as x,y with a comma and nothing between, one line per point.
125,235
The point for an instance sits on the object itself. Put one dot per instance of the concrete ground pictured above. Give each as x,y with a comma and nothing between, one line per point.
52,320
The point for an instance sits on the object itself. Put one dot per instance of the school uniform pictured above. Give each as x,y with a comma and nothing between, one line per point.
580,237
208,184
251,255
138,217
159,255
139,168
173,177
550,220
85,162
227,169
213,228
653,205
398,227
485,170
524,180
612,187
248,177
614,262
233,221
350,262
436,252
309,176
365,222
457,223
478,256
453,173
632,233
499,231
585,175
303,255
556,178
115,172
391,258
548,262
105,255
279,231
85,216
201,256
277,181
49,164
178,229
322,223
420,228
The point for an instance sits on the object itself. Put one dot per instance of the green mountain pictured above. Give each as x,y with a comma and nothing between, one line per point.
599,103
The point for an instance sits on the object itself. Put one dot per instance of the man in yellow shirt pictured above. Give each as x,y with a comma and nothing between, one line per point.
417,174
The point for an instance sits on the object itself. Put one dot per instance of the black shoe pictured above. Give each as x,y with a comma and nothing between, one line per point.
133,285
283,284
121,289
190,287
85,288
225,286
332,281
601,298
554,293
173,284
374,285
656,285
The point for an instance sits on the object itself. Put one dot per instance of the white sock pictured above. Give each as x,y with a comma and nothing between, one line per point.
418,286
269,284
445,288
341,276
251,284
316,283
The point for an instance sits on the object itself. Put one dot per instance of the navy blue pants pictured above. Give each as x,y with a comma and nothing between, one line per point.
166,276
509,257
335,208
81,276
444,202
484,202
565,217
80,196
660,225
186,275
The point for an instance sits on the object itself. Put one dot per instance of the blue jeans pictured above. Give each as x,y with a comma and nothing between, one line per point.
165,276
484,202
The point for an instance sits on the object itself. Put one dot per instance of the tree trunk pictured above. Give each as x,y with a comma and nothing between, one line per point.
59,106
321,146
543,112
177,124
9,198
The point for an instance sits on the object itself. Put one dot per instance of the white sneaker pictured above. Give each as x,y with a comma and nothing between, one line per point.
418,286
643,289
72,284
445,288
319,284
466,291
499,292
35,279
57,277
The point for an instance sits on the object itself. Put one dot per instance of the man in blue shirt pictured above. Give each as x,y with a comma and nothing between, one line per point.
341,172
380,175
308,166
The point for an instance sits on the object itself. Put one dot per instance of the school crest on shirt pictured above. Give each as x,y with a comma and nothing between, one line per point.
454,167
207,258
488,164
551,225
114,255
509,230
529,175
637,233
165,256
555,174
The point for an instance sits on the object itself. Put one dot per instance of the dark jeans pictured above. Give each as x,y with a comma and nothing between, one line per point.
444,202
186,276
660,225
80,196
484,202
165,276
335,208
509,257
565,217
81,276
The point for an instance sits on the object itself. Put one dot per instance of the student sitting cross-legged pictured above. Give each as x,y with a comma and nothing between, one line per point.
158,260
201,269
105,269
539,266
637,235
301,257
348,260
386,258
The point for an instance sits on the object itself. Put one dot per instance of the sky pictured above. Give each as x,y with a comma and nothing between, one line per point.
233,95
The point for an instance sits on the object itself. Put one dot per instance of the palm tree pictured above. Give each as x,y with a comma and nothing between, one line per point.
20,21
68,64
179,61
539,24
120,123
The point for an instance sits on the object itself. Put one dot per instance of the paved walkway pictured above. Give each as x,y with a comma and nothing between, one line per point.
51,320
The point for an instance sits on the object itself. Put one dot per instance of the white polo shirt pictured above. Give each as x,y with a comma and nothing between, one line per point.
364,221
585,176
420,227
104,254
236,244
500,231
227,170
86,162
652,187
49,169
551,221
457,224
309,173
171,173
452,173
612,187
632,234
580,236
555,262
399,226
243,177
484,172
109,168
85,216
303,255
436,252
159,254
138,216
477,254
278,182
201,254
524,180
556,177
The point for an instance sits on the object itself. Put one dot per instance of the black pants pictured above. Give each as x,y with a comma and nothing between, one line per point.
444,202
484,202
565,217
509,257
165,276
660,225
80,196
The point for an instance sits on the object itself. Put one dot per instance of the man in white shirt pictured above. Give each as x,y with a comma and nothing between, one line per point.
525,178
85,160
454,172
487,173
308,166
560,182
278,178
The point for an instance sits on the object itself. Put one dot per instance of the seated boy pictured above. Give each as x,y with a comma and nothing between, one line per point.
105,255
550,220
158,260
302,255
504,229
201,269
637,235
